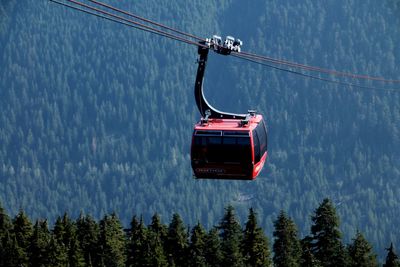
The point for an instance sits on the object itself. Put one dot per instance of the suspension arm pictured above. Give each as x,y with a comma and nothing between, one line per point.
206,110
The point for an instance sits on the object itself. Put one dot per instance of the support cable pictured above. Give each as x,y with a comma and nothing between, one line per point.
258,59
147,20
268,59
128,21
316,77
317,69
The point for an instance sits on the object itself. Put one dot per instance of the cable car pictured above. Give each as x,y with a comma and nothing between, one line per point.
225,145
229,148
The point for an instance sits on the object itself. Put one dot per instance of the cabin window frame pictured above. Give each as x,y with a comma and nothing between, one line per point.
239,144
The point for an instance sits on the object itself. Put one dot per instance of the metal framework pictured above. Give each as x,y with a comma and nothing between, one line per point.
206,110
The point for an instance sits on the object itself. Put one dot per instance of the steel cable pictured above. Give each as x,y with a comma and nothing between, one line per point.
258,59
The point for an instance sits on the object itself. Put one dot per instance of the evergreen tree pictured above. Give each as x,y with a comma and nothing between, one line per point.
177,242
7,239
287,248
65,234
327,246
22,229
213,248
39,244
197,246
254,247
112,242
231,235
88,235
392,260
360,252
157,235
138,245
158,228
131,245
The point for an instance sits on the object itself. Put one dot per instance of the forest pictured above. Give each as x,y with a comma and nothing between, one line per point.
97,118
87,242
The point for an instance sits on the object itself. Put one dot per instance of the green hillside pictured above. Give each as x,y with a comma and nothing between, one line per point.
97,117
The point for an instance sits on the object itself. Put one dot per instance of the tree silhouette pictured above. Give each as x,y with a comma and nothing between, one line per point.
392,260
360,252
213,248
287,248
254,246
88,234
197,246
66,237
157,238
177,242
7,239
22,229
139,253
326,237
112,241
231,235
39,244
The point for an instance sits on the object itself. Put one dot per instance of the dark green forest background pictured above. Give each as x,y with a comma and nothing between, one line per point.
97,117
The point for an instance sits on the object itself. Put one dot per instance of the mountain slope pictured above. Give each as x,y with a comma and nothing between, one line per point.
98,117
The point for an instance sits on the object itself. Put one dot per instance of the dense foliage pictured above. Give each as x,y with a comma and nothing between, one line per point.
96,117
85,242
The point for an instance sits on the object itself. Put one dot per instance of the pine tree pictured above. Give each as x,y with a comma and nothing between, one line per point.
360,252
197,246
65,234
88,234
392,260
7,239
157,227
213,248
287,248
22,229
177,242
157,235
131,248
254,247
39,245
112,242
327,246
231,235
138,245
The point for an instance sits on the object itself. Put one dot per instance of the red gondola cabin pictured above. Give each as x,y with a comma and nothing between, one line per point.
229,148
